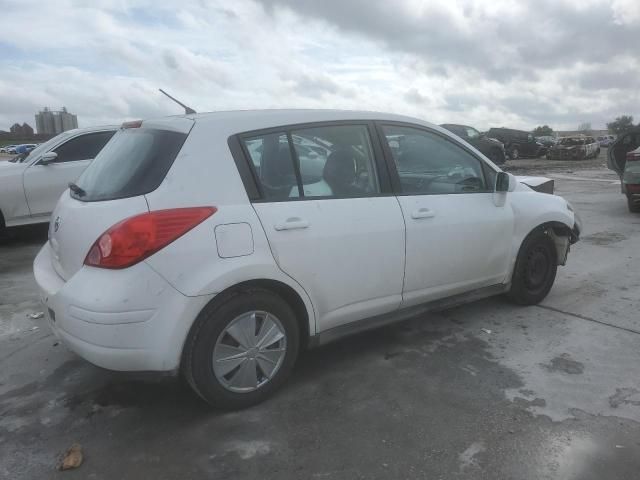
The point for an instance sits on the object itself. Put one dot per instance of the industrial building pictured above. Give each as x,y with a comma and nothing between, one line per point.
51,122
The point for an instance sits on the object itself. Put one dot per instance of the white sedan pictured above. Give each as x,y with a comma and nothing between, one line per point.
31,183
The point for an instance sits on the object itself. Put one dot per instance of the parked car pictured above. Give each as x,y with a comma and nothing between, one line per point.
6,148
579,147
490,147
623,157
517,143
605,140
220,245
31,182
23,148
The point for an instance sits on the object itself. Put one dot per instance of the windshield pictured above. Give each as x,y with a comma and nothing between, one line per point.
133,163
472,132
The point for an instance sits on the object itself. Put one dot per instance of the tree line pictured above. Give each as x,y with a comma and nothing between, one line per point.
620,125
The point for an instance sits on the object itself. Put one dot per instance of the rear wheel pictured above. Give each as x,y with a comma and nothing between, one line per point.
634,205
535,269
515,153
241,350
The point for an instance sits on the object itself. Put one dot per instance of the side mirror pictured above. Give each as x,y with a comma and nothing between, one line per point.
505,182
502,182
48,158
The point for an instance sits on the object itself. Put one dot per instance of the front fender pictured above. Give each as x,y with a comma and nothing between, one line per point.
532,210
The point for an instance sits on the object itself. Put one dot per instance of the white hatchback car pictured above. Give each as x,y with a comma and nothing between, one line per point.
31,183
221,244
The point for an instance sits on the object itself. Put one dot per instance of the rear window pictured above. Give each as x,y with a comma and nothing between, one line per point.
133,163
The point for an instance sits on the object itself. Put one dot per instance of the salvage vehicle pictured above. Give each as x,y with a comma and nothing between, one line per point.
31,182
605,140
579,147
219,245
490,147
546,140
518,143
623,157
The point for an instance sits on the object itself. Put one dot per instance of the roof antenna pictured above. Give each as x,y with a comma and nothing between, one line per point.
187,110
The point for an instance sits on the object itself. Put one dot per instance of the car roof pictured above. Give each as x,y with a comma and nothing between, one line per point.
247,120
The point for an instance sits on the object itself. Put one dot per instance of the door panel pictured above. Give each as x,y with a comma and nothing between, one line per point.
43,184
348,254
457,239
330,223
455,243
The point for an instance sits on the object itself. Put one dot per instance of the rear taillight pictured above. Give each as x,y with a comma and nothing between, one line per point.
633,156
136,238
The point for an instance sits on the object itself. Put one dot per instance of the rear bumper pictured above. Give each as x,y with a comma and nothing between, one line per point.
129,320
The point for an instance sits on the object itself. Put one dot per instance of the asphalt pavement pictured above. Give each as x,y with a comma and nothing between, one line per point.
484,391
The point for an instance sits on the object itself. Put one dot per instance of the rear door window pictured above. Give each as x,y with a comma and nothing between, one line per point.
134,163
84,147
272,162
315,162
335,160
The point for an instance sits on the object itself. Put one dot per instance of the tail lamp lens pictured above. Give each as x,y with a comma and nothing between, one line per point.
136,238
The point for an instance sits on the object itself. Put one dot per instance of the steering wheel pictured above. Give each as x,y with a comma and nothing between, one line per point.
473,182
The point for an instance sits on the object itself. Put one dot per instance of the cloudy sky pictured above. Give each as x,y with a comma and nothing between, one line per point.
484,63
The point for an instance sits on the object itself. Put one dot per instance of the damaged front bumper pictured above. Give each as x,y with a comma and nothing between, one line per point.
576,230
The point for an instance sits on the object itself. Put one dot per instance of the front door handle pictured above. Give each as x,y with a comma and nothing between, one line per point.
292,223
423,213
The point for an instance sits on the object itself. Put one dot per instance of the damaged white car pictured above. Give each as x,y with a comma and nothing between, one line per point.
219,245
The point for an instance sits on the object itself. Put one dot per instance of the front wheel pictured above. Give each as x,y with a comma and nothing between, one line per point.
242,349
634,206
535,269
515,153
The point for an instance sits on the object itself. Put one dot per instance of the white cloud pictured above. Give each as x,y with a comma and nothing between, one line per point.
484,63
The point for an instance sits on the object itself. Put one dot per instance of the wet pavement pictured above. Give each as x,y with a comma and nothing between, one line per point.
484,391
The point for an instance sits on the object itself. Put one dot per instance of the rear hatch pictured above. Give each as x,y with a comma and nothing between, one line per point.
113,188
617,151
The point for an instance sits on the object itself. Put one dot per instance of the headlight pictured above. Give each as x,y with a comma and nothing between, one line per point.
570,207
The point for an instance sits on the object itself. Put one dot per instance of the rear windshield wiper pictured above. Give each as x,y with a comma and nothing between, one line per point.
77,190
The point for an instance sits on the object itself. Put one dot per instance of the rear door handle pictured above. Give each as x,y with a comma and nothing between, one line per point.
422,213
292,223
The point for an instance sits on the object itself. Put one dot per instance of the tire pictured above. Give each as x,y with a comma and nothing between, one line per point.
535,269
515,153
633,206
3,228
497,157
209,336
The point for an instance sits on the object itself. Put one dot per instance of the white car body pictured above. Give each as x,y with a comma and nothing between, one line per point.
344,263
29,189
